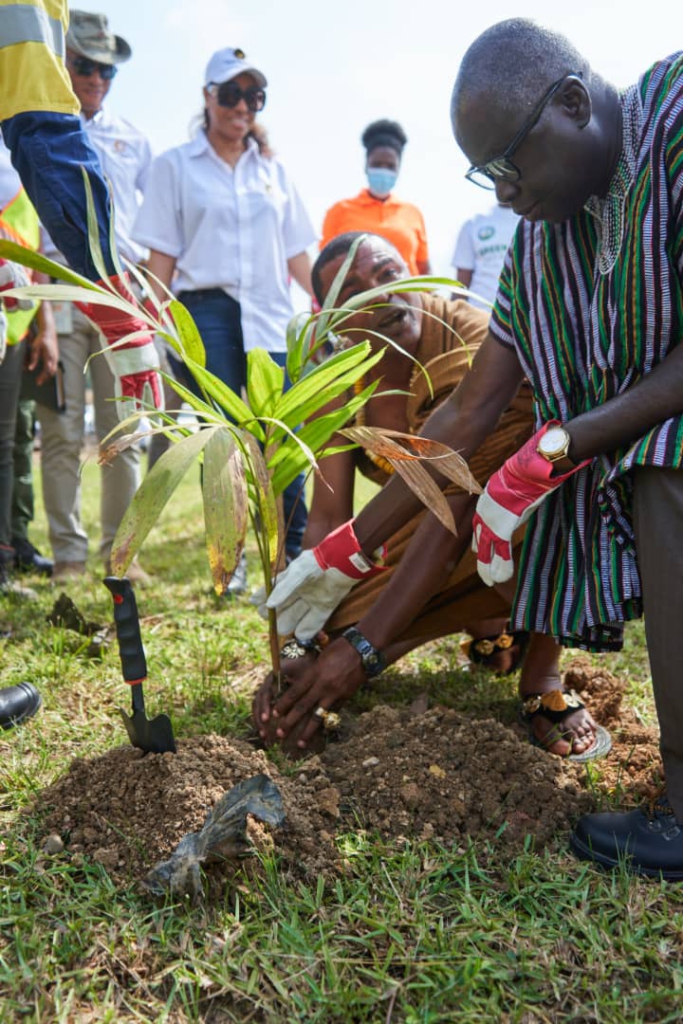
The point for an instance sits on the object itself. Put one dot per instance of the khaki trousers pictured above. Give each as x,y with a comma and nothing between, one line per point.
658,521
62,439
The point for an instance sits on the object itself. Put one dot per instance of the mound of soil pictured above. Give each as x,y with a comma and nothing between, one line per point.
633,769
127,810
443,776
432,773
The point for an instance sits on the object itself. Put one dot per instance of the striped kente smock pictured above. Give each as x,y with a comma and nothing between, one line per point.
583,336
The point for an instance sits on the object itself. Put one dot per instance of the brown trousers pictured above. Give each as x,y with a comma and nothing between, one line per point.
658,522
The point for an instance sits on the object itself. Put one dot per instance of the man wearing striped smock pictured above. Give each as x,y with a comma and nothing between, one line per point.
590,309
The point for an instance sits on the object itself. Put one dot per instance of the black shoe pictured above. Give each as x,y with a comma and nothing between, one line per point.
28,558
648,842
17,703
238,581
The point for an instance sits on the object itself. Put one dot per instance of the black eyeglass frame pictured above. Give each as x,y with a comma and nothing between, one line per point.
501,168
252,95
85,66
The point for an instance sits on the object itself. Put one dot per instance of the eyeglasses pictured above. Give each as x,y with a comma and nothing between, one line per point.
84,66
228,94
502,168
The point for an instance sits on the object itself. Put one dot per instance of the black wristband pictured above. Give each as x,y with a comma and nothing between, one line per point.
373,660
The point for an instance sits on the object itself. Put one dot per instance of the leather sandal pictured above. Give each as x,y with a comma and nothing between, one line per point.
556,706
482,650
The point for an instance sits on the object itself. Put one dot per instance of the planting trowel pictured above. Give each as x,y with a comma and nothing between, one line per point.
155,736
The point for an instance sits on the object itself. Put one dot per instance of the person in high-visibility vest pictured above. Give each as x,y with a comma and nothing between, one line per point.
19,223
40,125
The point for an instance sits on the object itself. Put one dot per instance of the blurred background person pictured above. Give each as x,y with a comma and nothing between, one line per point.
375,208
27,557
480,251
93,54
36,349
227,230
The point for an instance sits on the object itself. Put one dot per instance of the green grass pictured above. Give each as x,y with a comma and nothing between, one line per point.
412,934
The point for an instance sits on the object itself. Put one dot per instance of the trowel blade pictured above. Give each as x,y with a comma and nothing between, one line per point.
154,737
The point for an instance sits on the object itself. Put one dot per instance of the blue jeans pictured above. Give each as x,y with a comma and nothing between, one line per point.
48,151
218,321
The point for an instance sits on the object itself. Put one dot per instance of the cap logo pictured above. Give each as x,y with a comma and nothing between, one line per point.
240,54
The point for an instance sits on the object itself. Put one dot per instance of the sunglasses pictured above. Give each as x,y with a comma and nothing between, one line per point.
86,67
502,168
228,94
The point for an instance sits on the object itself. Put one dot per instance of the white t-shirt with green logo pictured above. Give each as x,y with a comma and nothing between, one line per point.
481,247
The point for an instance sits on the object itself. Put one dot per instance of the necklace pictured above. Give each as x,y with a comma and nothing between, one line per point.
609,212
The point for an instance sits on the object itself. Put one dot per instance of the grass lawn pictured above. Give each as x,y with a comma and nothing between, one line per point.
411,934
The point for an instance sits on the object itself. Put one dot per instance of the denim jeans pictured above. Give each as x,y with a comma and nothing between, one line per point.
218,321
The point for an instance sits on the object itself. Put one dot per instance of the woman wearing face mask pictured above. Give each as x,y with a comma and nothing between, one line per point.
375,208
225,225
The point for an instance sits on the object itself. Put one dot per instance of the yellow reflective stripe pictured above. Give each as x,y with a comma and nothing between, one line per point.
18,323
24,23
19,221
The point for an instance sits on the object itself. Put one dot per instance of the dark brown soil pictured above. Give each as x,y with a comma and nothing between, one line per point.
127,810
431,773
633,768
442,776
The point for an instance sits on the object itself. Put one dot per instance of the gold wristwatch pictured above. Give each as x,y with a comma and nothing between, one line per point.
554,445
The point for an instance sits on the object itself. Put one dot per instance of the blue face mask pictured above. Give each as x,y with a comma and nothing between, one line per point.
381,180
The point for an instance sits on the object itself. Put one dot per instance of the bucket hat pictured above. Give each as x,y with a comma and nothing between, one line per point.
89,36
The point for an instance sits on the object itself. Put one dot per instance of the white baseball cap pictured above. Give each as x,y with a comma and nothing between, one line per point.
227,64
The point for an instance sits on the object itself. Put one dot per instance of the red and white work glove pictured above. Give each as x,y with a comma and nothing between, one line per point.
11,276
134,363
511,495
314,583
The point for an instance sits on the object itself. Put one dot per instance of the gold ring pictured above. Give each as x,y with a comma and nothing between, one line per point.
320,713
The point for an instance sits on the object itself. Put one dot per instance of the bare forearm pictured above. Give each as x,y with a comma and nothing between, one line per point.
464,422
160,269
299,267
333,489
318,528
429,560
628,416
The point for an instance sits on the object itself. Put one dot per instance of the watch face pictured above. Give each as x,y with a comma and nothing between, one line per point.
554,441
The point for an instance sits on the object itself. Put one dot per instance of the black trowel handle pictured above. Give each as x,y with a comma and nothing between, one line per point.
127,624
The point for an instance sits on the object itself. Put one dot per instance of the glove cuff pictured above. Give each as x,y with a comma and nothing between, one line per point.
341,550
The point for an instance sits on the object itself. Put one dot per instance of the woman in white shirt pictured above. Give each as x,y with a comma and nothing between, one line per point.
224,223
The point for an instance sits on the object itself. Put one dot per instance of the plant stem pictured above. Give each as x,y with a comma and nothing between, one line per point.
274,642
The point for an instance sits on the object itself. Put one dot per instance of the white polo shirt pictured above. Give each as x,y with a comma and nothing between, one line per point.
481,247
126,158
230,228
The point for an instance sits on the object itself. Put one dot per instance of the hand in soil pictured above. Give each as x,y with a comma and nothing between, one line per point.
262,706
333,679
292,670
